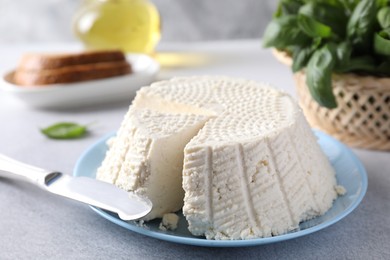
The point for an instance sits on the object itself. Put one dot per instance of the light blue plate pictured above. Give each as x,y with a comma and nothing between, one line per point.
349,171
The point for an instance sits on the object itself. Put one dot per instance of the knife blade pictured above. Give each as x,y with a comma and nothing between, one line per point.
128,206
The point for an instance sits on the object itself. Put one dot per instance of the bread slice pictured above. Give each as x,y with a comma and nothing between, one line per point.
36,69
70,74
38,61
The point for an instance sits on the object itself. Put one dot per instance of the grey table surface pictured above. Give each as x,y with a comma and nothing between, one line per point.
38,225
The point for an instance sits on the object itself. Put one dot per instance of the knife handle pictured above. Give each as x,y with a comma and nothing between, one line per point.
11,168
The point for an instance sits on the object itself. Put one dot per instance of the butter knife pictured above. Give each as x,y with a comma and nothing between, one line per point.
128,206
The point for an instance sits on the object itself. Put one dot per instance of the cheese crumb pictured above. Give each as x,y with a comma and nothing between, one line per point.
340,190
169,222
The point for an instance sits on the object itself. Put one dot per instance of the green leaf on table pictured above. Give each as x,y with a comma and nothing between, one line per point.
383,17
319,75
382,42
65,130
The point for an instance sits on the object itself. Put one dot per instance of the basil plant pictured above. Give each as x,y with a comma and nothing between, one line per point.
332,36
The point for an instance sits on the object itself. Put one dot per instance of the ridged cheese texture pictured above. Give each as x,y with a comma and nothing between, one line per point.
239,152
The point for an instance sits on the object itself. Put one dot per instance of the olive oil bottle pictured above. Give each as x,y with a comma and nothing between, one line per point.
129,25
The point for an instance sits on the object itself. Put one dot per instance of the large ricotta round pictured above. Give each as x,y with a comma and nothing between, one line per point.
238,156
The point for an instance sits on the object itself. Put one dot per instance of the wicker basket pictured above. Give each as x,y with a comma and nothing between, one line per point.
362,117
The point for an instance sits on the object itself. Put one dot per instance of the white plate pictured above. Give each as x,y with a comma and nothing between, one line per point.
107,90
350,173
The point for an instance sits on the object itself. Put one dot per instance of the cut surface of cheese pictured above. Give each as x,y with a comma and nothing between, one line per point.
239,152
146,157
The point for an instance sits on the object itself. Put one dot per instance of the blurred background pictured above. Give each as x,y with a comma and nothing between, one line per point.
182,20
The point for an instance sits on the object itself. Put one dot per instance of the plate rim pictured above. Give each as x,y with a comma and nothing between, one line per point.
201,241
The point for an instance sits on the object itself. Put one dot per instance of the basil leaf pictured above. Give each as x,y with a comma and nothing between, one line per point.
349,5
359,64
383,17
65,130
283,32
363,64
346,63
344,52
382,42
301,56
382,3
384,68
319,76
300,59
360,27
278,11
287,7
326,13
313,28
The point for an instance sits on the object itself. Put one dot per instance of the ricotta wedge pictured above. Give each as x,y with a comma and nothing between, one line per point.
147,157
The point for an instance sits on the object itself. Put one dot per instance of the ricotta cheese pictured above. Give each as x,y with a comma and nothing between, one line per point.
240,153
169,222
146,157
